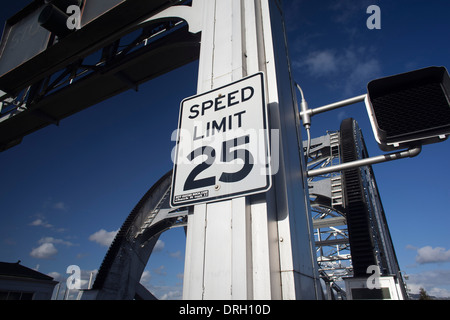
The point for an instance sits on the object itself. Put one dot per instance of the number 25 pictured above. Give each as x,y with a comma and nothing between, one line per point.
227,156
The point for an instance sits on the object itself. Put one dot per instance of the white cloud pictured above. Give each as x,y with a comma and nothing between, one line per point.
348,70
85,277
44,251
40,223
428,254
439,292
160,271
362,73
176,255
50,203
56,276
435,282
47,247
82,255
60,206
55,241
103,237
159,246
146,276
411,247
322,63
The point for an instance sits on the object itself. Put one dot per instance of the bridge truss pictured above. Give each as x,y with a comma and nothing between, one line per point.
351,230
329,219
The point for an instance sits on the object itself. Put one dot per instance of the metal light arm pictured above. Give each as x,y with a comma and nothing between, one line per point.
365,162
306,114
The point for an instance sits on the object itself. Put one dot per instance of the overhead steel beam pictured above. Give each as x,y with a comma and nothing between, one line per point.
107,27
148,62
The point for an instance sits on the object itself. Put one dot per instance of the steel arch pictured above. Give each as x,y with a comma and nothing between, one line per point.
125,261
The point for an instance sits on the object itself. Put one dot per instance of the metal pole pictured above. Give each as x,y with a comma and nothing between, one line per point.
258,247
365,162
57,291
90,280
332,106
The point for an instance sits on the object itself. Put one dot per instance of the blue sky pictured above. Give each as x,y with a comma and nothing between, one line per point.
66,190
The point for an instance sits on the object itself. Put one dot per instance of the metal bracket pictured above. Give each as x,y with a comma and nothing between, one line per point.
332,106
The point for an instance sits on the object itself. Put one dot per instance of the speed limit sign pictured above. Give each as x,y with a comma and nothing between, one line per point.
222,148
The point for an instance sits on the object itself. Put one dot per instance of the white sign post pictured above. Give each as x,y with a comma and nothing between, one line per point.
246,247
222,147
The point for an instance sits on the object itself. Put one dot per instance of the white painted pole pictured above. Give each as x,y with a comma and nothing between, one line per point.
256,247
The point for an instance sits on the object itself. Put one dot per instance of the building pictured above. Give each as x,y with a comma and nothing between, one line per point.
18,282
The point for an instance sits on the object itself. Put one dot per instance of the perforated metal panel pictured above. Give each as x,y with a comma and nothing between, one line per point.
410,108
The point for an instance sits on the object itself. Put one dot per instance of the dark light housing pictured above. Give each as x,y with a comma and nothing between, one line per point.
54,18
410,109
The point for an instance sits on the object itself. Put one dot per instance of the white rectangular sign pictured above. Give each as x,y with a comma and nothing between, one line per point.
222,146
